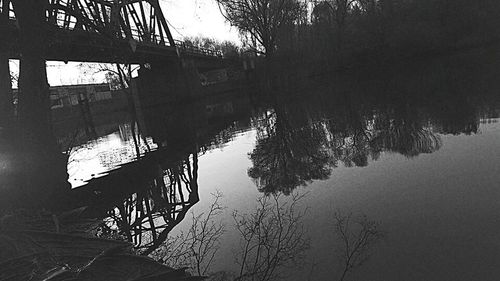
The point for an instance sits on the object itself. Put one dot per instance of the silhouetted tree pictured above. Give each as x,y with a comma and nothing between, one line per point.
260,19
271,238
227,48
198,246
356,237
360,31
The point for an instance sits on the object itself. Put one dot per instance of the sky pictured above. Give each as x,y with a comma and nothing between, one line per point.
197,17
186,18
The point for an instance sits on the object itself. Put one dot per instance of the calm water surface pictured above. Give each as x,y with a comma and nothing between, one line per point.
414,148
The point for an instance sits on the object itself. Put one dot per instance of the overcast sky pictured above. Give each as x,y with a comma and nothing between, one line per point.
197,17
186,18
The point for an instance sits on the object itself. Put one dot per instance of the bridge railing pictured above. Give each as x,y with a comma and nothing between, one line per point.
188,48
151,39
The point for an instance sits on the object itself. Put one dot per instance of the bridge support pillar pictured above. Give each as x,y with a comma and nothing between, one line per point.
161,96
43,168
168,81
6,105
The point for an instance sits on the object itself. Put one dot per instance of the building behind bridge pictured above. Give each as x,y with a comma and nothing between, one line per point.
67,96
71,95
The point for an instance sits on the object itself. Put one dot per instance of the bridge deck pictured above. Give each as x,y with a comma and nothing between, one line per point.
82,46
131,31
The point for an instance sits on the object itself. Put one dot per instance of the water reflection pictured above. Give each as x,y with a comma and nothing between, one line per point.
397,110
141,174
146,216
287,153
149,179
144,195
349,122
294,148
403,133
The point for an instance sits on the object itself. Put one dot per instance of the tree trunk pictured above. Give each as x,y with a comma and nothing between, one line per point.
6,105
33,99
43,163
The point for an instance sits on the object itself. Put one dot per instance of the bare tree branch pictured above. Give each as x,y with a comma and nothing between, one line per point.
357,236
272,237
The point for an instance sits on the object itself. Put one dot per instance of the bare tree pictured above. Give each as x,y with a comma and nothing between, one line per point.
339,10
198,246
227,48
117,75
356,235
260,19
272,237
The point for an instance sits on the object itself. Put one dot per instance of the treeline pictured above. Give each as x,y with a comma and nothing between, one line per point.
228,49
349,30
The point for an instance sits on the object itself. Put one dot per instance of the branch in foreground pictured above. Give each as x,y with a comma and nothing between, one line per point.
357,236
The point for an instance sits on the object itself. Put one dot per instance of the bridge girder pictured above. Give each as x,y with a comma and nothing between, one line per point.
125,31
139,20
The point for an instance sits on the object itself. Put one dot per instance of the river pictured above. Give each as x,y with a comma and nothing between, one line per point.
410,152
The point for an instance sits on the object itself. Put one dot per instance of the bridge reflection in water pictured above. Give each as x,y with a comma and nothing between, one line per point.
146,191
298,141
157,199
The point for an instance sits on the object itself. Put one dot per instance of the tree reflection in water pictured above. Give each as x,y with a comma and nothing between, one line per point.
147,198
287,156
351,118
272,238
404,133
408,140
294,148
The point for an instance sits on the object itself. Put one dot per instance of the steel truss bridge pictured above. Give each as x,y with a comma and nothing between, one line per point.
127,31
